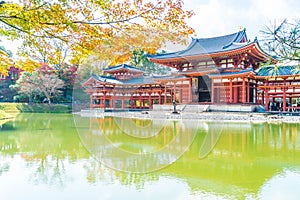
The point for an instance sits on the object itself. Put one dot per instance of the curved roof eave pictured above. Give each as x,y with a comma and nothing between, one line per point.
233,51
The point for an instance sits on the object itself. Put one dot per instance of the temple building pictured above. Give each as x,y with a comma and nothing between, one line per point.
124,86
217,70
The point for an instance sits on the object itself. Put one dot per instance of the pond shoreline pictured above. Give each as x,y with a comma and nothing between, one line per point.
251,117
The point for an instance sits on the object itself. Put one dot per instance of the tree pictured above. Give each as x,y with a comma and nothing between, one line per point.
140,60
109,28
283,40
68,74
36,84
51,51
5,60
6,93
26,86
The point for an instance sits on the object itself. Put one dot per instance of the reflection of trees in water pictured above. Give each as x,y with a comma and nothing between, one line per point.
137,180
4,165
49,170
96,172
46,142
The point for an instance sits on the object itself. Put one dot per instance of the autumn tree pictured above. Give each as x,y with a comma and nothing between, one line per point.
54,52
5,60
283,40
111,29
37,84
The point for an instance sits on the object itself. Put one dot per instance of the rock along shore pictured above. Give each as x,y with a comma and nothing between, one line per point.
203,116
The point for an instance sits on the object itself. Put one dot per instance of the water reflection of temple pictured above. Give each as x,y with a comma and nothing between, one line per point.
138,145
245,158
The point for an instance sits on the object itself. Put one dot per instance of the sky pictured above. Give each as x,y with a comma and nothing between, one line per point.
220,17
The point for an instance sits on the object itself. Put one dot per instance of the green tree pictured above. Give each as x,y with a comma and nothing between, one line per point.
139,59
283,40
6,92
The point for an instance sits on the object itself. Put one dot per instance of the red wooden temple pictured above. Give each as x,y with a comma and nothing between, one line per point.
218,70
127,87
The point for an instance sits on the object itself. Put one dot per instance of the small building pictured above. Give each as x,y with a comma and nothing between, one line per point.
280,87
126,87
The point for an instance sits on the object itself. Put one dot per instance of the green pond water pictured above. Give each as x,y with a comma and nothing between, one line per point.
57,156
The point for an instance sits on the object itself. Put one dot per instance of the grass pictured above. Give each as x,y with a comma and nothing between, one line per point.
4,115
12,109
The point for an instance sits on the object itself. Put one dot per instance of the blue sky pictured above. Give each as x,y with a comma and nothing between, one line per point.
221,17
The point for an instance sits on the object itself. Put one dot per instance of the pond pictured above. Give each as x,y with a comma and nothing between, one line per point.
58,156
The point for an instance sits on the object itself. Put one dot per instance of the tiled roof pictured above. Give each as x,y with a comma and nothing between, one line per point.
274,70
106,79
140,81
135,81
210,45
120,67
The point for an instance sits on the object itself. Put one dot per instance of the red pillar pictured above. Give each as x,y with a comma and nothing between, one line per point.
230,91
248,91
141,101
104,99
110,102
284,99
100,101
244,91
212,91
190,91
256,92
284,96
149,99
180,99
236,93
123,103
267,100
91,101
159,98
165,97
174,90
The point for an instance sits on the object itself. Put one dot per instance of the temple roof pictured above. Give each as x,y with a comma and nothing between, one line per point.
112,80
215,47
210,45
277,71
106,79
140,81
144,80
122,67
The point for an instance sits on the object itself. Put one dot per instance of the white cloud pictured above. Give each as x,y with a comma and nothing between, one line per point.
220,17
